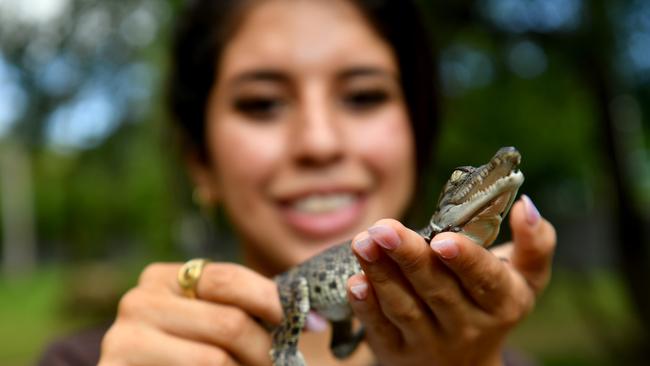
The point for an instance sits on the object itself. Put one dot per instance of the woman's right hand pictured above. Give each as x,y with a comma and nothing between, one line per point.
157,325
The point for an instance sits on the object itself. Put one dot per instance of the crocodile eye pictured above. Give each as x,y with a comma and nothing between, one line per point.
458,175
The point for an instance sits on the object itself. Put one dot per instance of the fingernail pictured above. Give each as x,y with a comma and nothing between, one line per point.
532,214
363,247
359,291
315,323
446,248
385,236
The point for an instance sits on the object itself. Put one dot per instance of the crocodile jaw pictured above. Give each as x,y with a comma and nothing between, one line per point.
475,200
480,216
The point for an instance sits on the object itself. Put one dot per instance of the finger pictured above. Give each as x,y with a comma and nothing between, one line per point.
223,326
406,247
136,345
534,243
433,283
503,251
380,332
394,295
484,277
224,283
234,284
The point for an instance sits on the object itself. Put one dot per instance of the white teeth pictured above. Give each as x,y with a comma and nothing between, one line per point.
320,203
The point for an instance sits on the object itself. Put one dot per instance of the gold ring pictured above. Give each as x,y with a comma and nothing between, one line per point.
189,275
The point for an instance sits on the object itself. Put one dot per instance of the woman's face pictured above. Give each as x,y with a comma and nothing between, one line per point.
308,136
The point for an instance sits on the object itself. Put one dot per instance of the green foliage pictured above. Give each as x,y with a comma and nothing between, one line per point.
111,201
29,313
580,320
554,131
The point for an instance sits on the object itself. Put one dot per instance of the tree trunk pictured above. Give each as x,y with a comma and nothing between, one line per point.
19,238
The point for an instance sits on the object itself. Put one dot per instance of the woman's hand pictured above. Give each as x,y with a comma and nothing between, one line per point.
157,325
452,303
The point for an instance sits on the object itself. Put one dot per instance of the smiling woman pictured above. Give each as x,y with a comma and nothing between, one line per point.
308,142
309,121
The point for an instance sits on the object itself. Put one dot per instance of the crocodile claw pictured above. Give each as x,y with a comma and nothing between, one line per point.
288,357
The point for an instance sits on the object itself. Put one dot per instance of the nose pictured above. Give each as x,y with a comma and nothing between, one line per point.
317,138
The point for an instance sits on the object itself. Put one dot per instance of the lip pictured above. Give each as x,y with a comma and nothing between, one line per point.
327,224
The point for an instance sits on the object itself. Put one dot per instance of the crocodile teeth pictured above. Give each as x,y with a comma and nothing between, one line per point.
321,203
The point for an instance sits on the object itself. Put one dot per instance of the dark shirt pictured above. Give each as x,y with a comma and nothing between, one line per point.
80,349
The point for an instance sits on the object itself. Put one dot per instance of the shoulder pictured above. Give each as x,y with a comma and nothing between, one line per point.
79,349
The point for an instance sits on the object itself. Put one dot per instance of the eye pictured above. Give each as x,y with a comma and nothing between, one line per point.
457,175
365,99
260,108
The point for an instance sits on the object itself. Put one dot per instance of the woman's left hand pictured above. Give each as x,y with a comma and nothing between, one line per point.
451,303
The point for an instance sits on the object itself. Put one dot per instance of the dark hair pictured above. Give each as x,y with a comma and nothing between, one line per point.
206,26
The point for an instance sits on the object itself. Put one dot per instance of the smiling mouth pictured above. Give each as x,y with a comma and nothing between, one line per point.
324,215
323,203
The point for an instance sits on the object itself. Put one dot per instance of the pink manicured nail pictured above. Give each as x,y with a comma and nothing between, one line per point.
359,291
532,214
446,248
363,247
315,323
385,236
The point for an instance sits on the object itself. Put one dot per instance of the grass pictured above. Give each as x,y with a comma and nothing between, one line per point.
29,316
572,322
37,309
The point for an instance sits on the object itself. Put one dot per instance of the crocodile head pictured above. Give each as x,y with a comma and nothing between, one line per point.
474,201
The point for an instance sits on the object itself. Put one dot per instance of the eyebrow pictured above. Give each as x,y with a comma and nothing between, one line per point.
261,75
279,76
365,71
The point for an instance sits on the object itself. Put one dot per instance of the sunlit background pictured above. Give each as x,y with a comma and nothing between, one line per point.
91,189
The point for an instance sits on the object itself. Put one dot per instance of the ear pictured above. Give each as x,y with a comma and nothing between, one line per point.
205,182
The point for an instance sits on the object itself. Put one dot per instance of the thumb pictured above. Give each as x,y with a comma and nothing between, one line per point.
534,243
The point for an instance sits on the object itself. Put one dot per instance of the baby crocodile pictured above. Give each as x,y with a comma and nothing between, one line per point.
473,202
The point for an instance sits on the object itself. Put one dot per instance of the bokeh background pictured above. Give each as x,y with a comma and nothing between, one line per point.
92,188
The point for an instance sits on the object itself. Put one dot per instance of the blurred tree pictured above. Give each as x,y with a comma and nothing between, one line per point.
19,249
84,77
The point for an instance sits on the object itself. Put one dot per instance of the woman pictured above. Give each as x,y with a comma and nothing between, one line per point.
309,122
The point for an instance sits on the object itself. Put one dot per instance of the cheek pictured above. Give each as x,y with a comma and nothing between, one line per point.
387,145
245,158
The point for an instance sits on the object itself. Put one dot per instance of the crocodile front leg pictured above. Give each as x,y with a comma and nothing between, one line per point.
294,295
344,341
